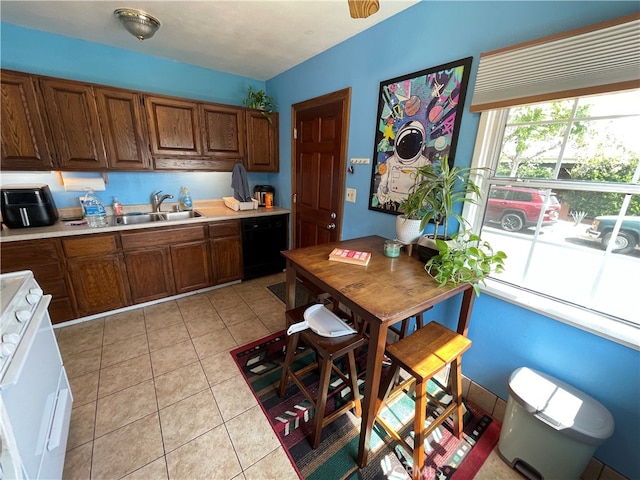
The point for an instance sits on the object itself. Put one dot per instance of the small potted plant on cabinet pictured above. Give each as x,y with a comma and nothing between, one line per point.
260,101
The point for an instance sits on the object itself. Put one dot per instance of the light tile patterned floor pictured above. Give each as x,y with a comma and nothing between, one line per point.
157,395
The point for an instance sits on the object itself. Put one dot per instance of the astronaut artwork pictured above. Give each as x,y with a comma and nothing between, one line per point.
418,121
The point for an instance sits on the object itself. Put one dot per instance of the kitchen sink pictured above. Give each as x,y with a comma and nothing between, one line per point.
146,217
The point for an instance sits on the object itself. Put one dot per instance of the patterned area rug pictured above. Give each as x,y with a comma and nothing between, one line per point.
291,418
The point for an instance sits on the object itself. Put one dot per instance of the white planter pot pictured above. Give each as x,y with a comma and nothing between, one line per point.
407,230
427,247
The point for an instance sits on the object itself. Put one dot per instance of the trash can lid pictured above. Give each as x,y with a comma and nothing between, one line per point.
561,406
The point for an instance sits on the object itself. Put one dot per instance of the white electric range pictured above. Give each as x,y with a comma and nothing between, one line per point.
35,398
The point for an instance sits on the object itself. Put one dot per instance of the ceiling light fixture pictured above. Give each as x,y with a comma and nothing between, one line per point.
138,23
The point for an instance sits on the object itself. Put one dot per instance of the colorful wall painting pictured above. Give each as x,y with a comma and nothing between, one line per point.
418,120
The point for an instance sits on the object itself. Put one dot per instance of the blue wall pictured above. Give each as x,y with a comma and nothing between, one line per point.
504,336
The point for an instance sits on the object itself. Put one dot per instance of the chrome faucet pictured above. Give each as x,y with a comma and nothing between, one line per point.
156,200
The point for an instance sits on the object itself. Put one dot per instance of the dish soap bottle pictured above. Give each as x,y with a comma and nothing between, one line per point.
118,209
185,199
93,210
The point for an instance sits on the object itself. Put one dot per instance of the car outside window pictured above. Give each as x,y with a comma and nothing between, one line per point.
563,201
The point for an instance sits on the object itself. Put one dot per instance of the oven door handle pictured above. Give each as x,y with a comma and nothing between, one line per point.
57,426
12,375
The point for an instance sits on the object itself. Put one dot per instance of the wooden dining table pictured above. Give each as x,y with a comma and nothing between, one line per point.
386,291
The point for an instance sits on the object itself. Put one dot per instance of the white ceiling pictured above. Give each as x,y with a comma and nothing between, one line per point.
255,39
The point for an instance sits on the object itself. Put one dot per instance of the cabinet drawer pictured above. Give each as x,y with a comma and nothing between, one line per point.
224,229
25,255
156,237
90,245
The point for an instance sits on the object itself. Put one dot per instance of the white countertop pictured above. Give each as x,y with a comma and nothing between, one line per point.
211,210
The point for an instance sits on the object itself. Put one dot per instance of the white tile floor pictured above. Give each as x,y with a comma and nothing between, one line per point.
157,395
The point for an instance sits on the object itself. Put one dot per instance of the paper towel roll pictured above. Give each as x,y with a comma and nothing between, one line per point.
81,184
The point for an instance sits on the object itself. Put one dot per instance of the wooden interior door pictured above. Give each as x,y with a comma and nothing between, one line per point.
319,168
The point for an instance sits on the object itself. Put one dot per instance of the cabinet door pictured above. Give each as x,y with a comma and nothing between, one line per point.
174,127
226,259
124,129
44,258
262,142
98,283
73,117
149,274
190,263
224,132
24,132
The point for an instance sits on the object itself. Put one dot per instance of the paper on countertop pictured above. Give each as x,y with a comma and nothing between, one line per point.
76,223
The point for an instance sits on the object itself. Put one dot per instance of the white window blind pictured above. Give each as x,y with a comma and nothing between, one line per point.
597,59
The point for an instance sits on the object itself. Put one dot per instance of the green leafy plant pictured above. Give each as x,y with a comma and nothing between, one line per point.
437,189
466,258
260,101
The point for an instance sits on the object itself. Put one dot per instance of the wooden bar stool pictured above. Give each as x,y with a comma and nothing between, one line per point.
328,350
422,354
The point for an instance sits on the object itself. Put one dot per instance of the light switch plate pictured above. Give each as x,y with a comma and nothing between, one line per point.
351,195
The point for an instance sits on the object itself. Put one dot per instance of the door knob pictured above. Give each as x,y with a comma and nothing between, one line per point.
331,226
333,215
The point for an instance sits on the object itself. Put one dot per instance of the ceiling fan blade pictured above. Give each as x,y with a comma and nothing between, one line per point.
363,8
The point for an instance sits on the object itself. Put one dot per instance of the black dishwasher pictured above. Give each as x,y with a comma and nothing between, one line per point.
263,238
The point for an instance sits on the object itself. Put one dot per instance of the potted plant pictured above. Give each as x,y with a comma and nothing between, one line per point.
260,101
465,259
437,189
408,224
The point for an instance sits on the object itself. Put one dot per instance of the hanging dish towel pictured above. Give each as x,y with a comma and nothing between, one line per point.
240,184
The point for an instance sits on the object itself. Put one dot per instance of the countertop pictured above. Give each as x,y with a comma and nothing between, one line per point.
211,210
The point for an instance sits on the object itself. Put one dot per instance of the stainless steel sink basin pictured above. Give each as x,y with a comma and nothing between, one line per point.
146,217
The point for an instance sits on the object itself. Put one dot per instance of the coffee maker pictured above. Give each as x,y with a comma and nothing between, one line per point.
260,191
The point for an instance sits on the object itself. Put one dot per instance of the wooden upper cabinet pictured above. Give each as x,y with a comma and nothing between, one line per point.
223,132
75,127
124,129
174,127
262,142
24,131
50,123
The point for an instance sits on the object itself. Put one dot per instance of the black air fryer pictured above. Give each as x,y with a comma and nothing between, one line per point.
28,206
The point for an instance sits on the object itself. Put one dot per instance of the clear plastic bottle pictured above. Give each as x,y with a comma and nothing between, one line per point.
185,199
118,209
94,210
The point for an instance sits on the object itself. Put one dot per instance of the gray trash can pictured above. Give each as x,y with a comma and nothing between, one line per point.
550,429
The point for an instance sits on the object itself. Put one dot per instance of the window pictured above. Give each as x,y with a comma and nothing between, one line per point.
562,199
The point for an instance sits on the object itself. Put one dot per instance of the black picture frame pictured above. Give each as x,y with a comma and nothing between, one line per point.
418,121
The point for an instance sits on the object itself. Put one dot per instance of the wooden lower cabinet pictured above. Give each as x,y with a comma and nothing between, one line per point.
166,261
226,251
98,283
190,262
97,273
149,274
46,260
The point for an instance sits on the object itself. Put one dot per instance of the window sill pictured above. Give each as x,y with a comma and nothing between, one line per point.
581,318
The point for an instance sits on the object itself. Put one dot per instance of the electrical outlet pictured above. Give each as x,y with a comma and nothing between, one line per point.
351,195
